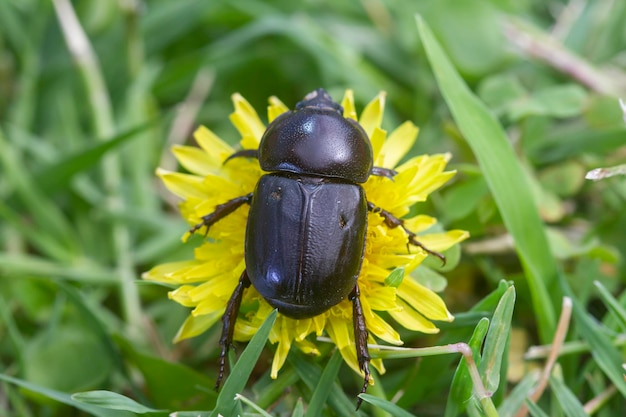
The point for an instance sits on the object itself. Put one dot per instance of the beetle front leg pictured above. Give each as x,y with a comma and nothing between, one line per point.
243,153
392,222
384,172
221,211
360,338
228,323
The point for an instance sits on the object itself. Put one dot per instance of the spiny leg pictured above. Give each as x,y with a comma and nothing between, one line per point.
360,338
221,211
228,323
392,222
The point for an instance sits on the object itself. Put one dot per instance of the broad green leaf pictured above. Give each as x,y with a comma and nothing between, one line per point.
461,388
240,373
496,341
505,177
112,401
388,406
555,101
64,359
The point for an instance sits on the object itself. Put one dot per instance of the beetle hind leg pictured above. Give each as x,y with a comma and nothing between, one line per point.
228,324
392,222
360,338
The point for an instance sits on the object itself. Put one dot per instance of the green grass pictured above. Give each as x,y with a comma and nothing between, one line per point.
82,214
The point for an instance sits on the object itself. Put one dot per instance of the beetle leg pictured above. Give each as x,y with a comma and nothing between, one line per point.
392,222
384,172
360,338
243,153
228,323
221,211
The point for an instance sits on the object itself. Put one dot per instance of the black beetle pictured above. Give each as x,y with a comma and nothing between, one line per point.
307,224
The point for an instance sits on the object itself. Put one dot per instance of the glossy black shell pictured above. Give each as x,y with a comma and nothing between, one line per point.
315,139
304,242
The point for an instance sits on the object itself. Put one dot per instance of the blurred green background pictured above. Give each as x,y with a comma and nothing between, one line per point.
82,214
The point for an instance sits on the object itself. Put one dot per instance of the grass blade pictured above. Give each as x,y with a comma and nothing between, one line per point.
324,386
611,303
605,354
504,176
240,373
461,389
112,401
569,403
496,341
65,398
388,406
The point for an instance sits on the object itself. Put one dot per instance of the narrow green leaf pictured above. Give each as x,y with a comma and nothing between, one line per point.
240,373
388,406
461,388
569,403
310,374
518,395
298,411
112,401
504,176
612,304
56,176
605,354
65,398
324,386
496,341
535,410
252,405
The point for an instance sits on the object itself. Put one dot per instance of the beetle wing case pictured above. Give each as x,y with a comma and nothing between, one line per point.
304,242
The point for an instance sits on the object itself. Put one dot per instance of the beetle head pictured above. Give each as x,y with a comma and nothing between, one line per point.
315,139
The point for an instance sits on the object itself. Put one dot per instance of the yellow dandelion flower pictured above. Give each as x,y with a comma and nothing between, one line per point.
207,282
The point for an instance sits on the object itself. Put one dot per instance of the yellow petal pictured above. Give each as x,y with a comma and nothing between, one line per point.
196,160
246,120
284,344
307,347
439,242
349,111
372,115
339,332
398,144
168,272
425,301
408,318
183,185
276,108
378,140
212,144
195,325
